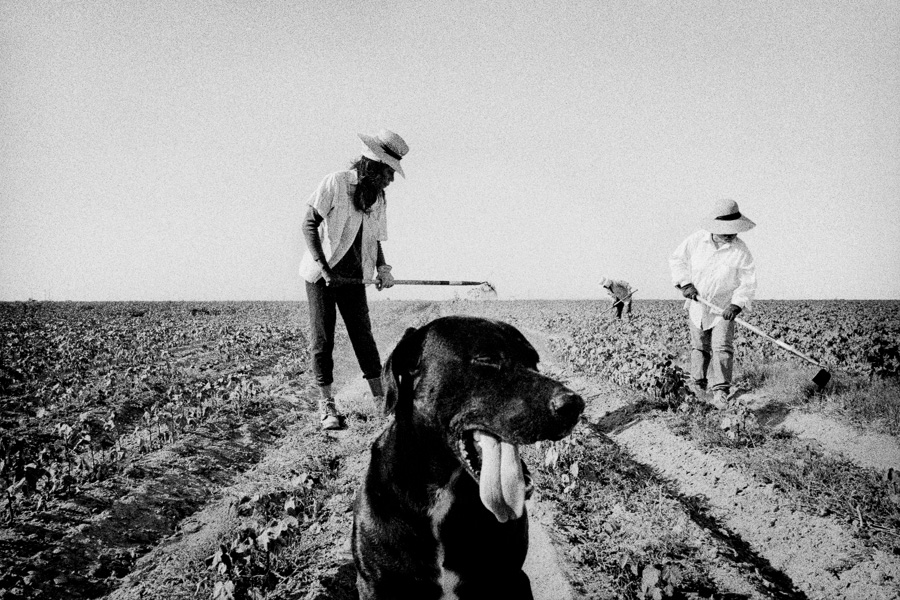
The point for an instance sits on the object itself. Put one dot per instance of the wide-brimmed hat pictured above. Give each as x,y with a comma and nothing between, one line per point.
726,218
387,147
604,282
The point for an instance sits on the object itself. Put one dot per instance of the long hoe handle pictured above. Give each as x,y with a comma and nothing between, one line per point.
760,332
422,282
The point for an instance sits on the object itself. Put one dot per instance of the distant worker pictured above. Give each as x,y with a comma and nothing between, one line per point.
344,226
713,264
620,291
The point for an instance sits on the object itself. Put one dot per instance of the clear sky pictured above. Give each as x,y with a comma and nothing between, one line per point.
165,150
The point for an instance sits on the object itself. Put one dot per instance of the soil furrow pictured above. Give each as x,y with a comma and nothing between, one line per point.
871,450
821,559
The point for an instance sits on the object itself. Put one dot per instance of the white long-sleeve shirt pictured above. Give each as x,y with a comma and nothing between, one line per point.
333,200
724,275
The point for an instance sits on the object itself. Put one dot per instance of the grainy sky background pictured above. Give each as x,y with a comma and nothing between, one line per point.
165,150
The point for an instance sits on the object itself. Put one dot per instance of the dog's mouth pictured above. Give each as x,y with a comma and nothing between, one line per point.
496,466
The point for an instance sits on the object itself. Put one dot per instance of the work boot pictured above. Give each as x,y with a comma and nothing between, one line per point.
329,415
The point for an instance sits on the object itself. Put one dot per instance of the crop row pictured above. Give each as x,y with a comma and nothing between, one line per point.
87,386
647,352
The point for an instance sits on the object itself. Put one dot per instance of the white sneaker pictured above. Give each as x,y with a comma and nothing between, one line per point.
330,417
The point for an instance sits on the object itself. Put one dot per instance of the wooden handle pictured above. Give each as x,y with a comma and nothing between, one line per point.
421,282
759,332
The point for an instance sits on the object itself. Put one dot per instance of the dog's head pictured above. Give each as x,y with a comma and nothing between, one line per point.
475,381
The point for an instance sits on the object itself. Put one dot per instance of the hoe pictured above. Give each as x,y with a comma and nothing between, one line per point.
821,378
485,289
616,303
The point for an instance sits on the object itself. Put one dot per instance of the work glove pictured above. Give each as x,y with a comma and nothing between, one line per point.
384,279
731,312
689,291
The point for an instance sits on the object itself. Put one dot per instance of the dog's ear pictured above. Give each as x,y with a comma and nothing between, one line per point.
399,370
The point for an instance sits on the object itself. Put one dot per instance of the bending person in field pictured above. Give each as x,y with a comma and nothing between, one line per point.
620,291
714,264
344,226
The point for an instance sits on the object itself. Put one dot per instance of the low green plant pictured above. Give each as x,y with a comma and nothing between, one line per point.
618,520
247,564
868,501
871,404
883,358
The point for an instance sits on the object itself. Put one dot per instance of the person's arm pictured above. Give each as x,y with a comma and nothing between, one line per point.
379,260
680,267
383,277
310,227
680,264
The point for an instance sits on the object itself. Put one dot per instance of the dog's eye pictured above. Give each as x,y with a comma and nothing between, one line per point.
487,361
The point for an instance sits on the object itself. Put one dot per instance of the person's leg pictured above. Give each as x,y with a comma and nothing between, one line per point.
322,316
619,307
722,356
355,311
700,354
377,391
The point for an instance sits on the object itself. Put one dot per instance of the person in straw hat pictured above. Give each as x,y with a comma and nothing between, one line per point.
714,264
620,291
344,226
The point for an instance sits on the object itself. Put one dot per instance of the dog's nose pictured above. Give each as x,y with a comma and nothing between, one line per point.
567,405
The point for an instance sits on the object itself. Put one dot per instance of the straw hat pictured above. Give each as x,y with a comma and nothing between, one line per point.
387,147
604,282
726,218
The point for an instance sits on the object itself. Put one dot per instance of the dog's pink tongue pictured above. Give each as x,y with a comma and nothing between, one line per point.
502,484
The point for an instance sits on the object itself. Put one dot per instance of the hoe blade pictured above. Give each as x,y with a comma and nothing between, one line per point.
822,378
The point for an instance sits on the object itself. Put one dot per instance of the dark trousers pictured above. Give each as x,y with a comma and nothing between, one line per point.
324,302
619,306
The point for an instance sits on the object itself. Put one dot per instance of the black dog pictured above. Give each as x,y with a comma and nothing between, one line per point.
441,513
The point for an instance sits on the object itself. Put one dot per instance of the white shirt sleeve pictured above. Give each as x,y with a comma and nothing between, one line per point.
323,198
680,263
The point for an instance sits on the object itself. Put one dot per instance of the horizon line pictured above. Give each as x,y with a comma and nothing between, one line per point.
299,300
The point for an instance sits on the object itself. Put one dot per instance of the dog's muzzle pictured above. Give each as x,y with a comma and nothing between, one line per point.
495,464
